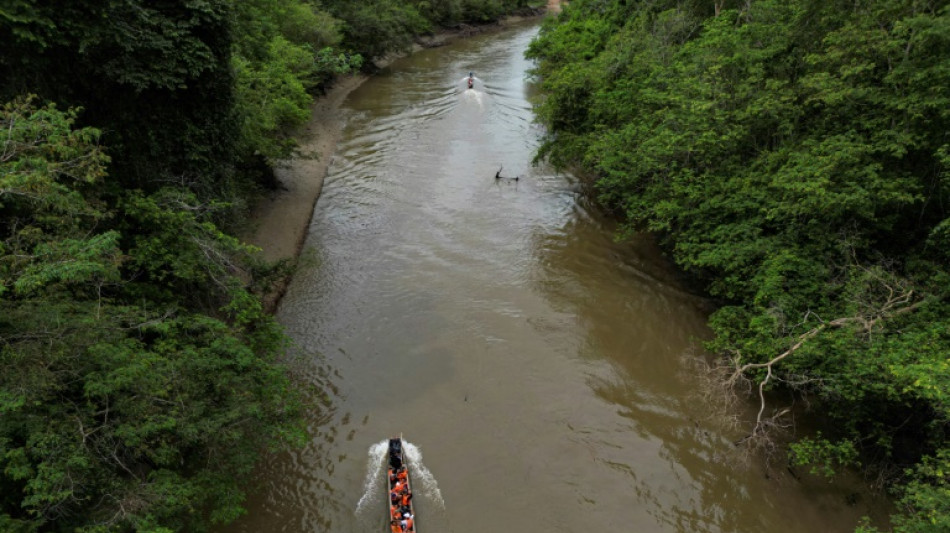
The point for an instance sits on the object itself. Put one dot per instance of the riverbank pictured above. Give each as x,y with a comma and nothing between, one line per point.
279,221
517,312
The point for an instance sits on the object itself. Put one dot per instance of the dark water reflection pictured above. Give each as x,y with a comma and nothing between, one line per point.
542,368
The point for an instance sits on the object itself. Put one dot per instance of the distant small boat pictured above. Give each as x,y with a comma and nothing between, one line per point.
399,488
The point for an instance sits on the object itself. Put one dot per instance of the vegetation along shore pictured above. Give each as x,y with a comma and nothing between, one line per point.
792,156
139,372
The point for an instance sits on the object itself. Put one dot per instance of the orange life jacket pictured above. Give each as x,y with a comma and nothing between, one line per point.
402,475
396,527
409,524
405,499
399,486
395,512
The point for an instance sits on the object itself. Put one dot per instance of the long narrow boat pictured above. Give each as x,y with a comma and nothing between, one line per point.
399,489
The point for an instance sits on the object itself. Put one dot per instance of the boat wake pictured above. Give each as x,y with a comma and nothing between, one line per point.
474,95
374,484
464,81
422,479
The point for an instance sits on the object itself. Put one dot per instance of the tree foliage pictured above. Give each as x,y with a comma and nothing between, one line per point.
375,28
128,63
123,406
139,375
287,51
793,155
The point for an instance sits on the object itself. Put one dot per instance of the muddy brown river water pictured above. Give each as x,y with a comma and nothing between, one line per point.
539,369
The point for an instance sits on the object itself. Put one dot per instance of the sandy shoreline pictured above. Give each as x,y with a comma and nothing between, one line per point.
280,221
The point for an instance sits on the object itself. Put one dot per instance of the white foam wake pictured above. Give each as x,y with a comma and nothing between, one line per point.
422,479
476,96
373,482
423,482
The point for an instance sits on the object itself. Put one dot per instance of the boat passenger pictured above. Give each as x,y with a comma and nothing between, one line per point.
400,486
404,499
396,527
402,474
395,512
394,498
393,476
407,522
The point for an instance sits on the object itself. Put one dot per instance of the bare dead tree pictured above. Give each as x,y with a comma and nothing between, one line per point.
886,297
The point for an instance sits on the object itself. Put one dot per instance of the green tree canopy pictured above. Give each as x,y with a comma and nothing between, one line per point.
793,156
123,406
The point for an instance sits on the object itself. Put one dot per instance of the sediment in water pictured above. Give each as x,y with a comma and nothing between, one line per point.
279,221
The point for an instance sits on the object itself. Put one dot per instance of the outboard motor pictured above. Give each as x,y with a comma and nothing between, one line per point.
395,453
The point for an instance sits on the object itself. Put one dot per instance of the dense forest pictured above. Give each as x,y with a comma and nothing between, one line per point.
793,157
140,379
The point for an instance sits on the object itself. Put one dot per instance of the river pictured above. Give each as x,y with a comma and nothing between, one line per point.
542,369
